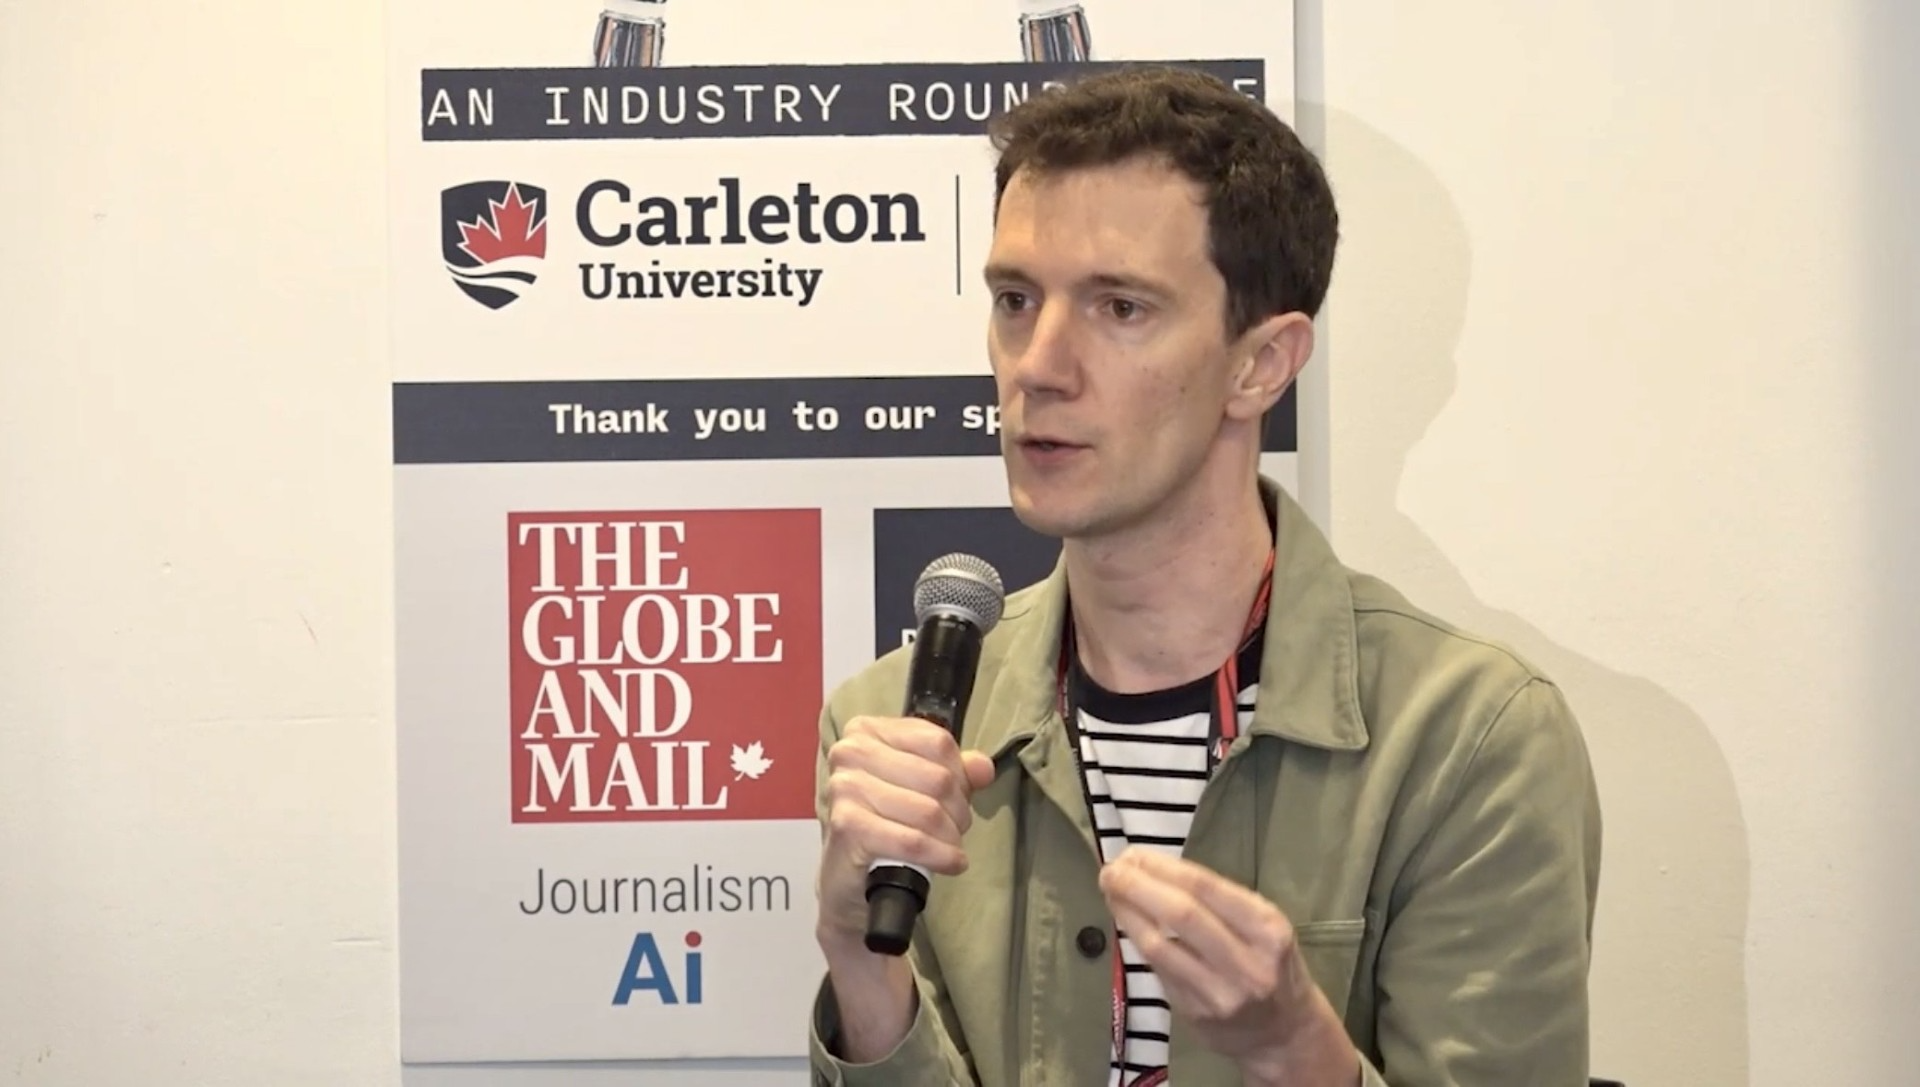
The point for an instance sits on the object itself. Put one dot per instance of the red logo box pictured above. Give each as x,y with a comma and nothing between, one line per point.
665,665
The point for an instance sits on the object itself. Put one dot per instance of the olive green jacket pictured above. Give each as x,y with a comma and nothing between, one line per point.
1418,801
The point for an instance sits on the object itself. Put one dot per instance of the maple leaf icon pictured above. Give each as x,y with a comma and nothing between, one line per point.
511,228
749,761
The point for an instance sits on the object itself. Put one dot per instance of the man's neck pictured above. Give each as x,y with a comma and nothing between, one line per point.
1169,604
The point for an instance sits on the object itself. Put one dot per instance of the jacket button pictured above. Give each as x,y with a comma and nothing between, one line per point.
1092,942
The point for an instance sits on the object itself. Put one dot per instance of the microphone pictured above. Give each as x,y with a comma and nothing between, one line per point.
957,600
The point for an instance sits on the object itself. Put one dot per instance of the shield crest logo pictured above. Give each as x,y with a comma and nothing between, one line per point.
493,237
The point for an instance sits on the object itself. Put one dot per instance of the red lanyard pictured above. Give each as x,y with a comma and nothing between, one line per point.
1224,727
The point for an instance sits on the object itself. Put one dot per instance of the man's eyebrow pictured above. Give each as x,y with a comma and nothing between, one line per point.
1008,273
1126,282
998,272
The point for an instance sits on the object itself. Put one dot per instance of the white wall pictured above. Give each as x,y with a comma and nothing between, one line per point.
1621,356
1621,360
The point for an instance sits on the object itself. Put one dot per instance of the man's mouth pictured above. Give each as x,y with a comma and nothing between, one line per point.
1046,444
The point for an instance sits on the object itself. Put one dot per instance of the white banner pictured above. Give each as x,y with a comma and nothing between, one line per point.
690,382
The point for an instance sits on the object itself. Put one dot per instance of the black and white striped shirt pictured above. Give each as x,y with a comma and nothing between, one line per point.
1145,763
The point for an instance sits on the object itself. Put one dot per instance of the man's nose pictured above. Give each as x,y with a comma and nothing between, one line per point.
1049,361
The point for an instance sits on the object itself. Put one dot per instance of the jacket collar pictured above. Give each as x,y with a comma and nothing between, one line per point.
1309,690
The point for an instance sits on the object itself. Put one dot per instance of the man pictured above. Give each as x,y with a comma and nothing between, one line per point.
1303,833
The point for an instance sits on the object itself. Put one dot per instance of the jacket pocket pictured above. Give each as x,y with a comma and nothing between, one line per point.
1332,953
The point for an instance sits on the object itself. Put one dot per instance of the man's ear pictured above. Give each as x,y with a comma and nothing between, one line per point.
1271,355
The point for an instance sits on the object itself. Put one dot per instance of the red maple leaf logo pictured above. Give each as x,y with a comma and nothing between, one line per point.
512,231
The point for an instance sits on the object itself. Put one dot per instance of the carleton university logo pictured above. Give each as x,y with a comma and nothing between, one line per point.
493,236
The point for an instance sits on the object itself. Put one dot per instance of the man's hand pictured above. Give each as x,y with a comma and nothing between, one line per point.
897,789
1231,969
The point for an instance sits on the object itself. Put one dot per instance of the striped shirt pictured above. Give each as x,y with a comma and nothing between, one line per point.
1144,758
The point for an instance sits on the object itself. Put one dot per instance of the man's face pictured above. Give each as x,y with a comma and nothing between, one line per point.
1107,340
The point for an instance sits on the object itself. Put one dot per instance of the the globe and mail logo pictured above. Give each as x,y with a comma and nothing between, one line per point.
493,237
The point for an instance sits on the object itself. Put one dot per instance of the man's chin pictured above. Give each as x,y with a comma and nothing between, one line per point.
1044,517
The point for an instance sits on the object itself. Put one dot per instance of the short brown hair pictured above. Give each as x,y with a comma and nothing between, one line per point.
1271,222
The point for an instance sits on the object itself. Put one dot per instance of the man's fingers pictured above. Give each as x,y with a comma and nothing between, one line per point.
873,757
868,836
927,814
1169,907
909,734
979,769
1191,985
899,789
1154,941
1251,918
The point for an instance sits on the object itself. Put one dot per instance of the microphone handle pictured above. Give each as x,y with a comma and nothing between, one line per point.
946,654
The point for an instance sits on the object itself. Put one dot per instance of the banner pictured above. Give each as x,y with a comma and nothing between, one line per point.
690,382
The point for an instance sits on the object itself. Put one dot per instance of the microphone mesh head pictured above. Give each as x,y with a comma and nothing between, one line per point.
960,584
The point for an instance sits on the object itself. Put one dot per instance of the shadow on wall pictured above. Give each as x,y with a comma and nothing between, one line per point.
1669,981
1890,221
